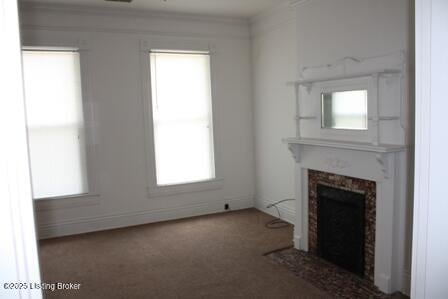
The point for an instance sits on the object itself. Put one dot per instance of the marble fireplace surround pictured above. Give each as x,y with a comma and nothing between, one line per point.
383,164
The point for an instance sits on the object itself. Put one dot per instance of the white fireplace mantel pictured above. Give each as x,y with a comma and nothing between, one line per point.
298,145
360,146
383,164
377,154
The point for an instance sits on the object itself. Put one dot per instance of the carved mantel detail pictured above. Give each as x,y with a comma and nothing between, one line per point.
381,152
337,163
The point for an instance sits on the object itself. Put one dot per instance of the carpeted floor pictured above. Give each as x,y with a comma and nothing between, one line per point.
214,256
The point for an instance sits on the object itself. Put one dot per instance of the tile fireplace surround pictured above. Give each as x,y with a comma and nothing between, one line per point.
368,188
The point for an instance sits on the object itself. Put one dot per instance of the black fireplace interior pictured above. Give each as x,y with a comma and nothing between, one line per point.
340,227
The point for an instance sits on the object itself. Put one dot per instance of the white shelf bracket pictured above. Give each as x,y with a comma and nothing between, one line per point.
308,87
295,151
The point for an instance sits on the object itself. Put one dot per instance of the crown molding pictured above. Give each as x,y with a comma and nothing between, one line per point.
176,34
133,13
274,18
235,28
298,2
290,4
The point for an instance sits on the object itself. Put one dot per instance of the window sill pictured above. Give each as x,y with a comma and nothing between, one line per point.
159,191
73,201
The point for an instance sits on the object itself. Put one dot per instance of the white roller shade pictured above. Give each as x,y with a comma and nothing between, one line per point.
182,115
55,123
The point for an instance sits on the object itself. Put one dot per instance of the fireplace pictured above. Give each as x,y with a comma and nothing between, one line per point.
372,161
340,227
341,221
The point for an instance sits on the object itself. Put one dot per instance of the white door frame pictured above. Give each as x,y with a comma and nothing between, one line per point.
18,247
422,143
429,266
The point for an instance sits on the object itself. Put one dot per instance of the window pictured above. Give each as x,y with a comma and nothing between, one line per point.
55,122
182,117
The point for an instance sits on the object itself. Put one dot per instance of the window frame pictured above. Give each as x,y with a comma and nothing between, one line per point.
92,197
154,190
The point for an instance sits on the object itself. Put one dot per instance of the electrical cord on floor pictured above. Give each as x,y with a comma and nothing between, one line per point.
277,222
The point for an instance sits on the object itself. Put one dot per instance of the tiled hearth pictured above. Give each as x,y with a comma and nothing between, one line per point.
335,281
351,184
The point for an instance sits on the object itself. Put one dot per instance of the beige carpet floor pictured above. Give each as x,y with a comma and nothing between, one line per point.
214,256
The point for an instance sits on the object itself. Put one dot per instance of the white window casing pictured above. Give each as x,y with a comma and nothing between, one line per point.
89,129
167,185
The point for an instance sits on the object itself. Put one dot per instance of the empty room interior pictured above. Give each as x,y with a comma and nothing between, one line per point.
221,149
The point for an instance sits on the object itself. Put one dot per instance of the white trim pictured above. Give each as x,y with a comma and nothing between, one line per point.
89,29
358,146
153,190
272,19
346,76
350,73
133,22
423,12
82,45
286,213
18,250
298,2
183,44
277,12
297,240
40,43
123,12
348,67
85,225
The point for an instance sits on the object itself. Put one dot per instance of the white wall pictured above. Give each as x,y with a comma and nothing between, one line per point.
330,30
317,33
116,91
274,62
430,238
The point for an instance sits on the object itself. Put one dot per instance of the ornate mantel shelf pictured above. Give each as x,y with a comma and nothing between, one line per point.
381,151
359,146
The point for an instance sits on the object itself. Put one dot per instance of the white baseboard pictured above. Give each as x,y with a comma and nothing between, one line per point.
286,213
86,225
297,242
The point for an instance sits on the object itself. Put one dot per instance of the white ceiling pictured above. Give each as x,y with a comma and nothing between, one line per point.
226,8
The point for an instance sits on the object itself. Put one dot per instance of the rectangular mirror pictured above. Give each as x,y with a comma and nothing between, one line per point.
345,110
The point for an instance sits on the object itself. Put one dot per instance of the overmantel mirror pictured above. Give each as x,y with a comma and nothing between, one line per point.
344,110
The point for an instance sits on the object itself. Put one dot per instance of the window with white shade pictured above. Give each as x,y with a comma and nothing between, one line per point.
56,132
182,117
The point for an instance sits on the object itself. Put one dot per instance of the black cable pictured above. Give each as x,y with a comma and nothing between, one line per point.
277,222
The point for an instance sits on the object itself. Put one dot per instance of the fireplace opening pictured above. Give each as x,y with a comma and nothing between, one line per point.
340,227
